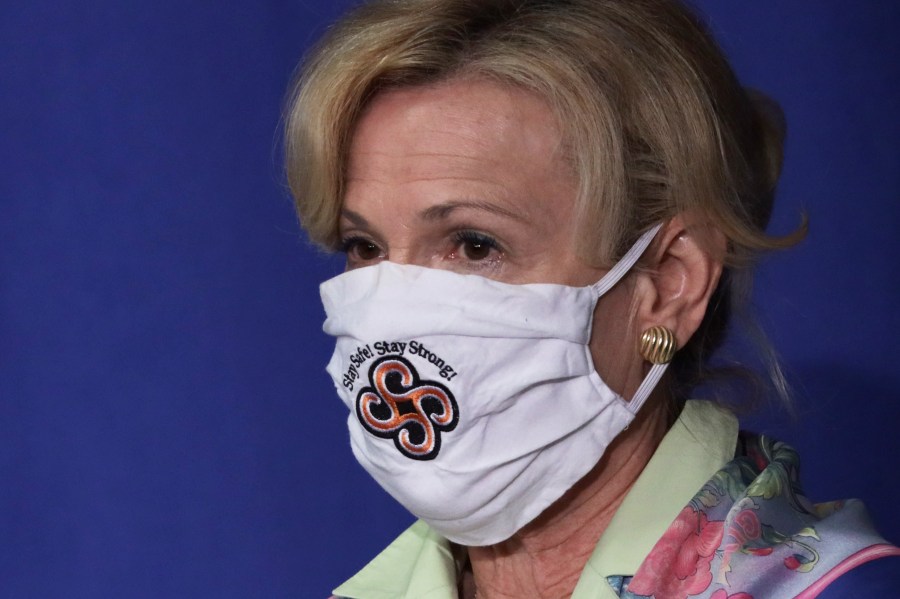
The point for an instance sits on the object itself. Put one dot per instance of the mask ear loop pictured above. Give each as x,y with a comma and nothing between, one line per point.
628,261
647,386
609,281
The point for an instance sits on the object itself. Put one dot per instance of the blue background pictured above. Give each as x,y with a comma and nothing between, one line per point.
166,425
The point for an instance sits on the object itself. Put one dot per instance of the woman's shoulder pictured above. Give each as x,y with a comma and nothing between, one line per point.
751,532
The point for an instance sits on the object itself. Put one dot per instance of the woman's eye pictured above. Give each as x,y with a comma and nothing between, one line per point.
359,249
476,246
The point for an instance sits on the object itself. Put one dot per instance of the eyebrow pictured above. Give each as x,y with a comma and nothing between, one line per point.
441,211
354,217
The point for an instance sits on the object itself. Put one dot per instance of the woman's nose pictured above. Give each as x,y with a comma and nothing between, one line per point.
405,253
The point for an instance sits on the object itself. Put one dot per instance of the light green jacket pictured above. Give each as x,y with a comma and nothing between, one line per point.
419,564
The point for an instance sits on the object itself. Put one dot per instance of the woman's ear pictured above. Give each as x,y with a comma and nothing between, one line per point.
682,270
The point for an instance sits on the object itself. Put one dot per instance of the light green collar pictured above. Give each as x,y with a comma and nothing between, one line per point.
699,444
421,565
418,564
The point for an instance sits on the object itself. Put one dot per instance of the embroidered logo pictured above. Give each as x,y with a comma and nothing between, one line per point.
400,406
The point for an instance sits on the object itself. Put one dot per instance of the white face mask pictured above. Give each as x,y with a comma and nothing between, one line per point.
474,403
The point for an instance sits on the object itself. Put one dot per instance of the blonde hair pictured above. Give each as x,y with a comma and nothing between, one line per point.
656,122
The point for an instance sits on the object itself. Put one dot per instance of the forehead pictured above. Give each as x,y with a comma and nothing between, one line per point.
462,133
479,111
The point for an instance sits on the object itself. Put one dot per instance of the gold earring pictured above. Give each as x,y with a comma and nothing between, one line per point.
658,345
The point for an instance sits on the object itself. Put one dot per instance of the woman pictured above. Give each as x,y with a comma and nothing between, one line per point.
556,204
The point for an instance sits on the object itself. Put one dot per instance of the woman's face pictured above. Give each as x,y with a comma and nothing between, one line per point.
470,176
467,176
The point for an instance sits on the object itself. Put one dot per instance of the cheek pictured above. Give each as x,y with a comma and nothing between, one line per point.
613,343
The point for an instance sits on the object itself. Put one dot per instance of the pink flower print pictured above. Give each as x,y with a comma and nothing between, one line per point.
744,528
798,562
679,564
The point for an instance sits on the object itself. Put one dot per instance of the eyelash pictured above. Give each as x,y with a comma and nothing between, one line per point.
349,244
476,238
460,238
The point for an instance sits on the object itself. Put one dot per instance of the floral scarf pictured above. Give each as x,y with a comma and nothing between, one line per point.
750,532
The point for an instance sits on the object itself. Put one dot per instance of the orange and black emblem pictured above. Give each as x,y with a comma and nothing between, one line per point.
401,407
